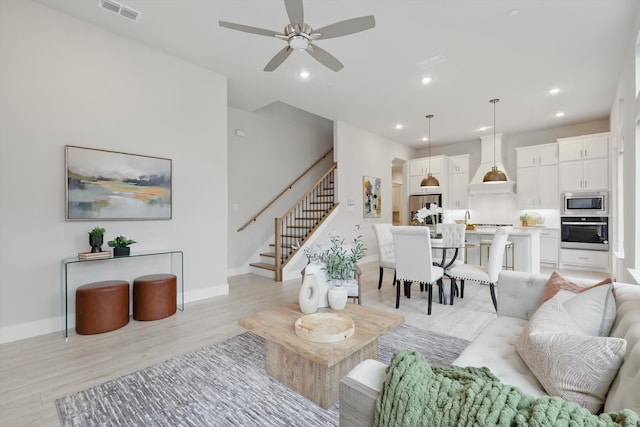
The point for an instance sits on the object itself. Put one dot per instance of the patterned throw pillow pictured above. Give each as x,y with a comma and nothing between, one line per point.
576,367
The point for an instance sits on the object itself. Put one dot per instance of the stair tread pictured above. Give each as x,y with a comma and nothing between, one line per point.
268,254
263,265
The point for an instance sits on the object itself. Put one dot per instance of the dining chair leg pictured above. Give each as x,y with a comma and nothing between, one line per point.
443,299
461,288
493,296
380,279
394,278
453,292
407,289
398,294
430,286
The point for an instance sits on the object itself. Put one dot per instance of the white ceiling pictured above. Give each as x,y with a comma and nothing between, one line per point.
575,45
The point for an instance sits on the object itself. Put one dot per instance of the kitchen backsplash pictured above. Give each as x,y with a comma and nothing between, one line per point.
500,209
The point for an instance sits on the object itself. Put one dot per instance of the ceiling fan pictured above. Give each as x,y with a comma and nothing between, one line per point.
300,36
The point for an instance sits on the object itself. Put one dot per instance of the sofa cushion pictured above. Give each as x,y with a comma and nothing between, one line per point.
625,389
593,310
557,282
494,348
569,364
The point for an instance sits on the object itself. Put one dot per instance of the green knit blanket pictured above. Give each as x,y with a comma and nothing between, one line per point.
417,394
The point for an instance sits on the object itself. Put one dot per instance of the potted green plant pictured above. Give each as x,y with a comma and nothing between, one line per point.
340,263
524,218
120,246
96,237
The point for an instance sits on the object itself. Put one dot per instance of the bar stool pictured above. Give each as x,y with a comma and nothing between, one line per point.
508,248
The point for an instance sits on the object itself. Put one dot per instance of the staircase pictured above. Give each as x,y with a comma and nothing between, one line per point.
299,223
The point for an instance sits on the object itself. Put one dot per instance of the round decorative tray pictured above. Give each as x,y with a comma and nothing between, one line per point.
324,327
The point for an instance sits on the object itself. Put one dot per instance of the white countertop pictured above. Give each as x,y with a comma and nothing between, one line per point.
528,231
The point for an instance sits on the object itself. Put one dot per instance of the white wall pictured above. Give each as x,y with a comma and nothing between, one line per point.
65,81
360,153
280,142
625,110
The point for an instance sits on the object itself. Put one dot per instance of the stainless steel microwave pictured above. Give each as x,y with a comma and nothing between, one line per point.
585,203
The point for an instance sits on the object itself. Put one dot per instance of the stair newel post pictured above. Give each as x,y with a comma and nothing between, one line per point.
278,250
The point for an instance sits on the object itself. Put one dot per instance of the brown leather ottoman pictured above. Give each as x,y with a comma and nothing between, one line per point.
102,306
154,296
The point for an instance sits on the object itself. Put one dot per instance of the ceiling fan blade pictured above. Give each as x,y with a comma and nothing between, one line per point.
325,58
278,59
248,29
344,28
295,11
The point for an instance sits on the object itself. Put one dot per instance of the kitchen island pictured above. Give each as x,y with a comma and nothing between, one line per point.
526,247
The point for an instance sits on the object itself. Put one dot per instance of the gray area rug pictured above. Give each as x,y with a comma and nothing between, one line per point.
225,385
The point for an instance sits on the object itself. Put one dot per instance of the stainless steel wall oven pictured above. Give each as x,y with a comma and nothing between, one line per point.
584,232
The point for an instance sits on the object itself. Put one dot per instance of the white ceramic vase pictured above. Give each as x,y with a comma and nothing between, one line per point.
337,297
309,295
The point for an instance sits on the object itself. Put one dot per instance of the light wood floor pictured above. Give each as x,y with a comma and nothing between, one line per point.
36,371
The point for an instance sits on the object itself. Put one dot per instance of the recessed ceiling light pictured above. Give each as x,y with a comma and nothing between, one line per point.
304,74
399,126
426,80
482,129
425,139
560,114
554,90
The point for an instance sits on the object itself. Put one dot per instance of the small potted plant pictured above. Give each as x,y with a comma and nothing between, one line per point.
120,246
96,237
340,264
524,218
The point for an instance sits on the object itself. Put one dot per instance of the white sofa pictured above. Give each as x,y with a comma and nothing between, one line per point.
519,295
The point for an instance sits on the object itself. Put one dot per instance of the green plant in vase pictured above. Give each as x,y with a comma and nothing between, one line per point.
120,245
96,237
339,261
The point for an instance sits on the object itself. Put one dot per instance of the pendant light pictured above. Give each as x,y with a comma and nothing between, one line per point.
430,181
495,174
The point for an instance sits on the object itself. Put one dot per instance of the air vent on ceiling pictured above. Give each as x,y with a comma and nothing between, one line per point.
120,9
430,62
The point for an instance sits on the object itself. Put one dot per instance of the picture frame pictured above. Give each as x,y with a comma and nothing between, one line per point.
371,197
112,185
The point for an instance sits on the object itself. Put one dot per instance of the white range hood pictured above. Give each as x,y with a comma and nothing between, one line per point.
486,163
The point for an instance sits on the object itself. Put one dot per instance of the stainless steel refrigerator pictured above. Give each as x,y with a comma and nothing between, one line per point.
424,201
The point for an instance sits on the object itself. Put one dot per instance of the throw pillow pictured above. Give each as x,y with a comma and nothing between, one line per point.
569,364
593,310
557,282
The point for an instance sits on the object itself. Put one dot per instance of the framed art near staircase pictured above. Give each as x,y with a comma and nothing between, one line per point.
372,200
110,185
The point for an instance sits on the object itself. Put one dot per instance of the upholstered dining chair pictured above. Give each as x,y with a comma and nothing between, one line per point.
414,261
453,235
386,255
479,273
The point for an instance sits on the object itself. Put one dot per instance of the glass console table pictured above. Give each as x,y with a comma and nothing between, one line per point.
177,266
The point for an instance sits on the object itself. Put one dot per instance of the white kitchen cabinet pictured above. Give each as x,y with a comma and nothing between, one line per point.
584,163
458,182
419,168
549,246
587,260
538,176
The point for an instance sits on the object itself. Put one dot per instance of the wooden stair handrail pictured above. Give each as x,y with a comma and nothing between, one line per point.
331,169
287,188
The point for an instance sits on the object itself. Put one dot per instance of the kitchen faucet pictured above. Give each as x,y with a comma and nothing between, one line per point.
467,216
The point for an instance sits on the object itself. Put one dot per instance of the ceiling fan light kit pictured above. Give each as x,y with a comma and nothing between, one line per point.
300,36
430,181
495,174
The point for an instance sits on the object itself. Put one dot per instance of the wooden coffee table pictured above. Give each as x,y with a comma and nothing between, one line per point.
315,369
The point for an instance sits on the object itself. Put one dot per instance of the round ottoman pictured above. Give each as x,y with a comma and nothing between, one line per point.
154,296
102,306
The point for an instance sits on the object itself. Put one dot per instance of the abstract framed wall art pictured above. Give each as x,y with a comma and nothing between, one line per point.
372,200
110,185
